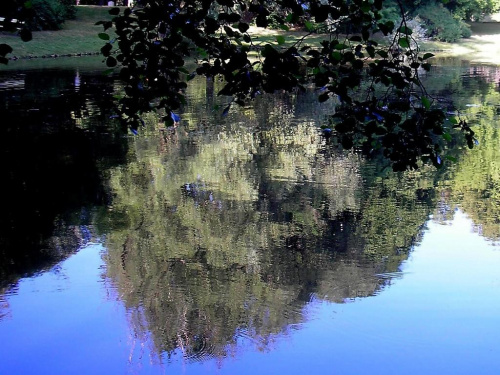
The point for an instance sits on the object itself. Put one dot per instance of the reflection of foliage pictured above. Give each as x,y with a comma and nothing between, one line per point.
394,215
473,182
229,232
476,183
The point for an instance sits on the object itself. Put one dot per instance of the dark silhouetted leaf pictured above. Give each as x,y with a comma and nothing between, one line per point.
111,61
26,35
243,27
5,49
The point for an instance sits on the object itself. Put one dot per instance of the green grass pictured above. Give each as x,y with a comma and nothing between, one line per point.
77,36
262,37
482,47
80,36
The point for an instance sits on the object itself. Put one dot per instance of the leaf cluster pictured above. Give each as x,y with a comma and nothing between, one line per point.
382,103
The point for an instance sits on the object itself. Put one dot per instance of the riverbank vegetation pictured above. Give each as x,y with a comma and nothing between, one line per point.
78,36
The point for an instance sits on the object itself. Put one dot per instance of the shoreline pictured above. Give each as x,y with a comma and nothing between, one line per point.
483,47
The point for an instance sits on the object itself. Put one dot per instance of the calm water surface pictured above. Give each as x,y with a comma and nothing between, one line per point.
241,244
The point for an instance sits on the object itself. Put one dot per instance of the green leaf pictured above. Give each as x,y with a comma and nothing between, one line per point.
428,56
451,158
309,26
280,39
284,27
268,51
453,120
336,55
382,53
405,30
426,102
365,8
103,36
403,42
340,46
447,137
203,53
182,99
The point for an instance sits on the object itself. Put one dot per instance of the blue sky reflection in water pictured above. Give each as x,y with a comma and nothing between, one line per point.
440,316
64,321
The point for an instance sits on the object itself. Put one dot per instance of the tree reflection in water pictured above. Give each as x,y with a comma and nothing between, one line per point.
223,231
220,231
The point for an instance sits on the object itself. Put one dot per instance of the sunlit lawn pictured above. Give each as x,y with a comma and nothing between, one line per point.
77,36
80,36
483,46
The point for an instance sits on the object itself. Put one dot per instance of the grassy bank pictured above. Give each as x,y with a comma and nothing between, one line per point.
77,36
482,47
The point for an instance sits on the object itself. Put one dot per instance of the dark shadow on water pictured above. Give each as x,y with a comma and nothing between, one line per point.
55,146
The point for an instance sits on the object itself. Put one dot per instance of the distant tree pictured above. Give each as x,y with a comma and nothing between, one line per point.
49,14
443,20
26,16
14,14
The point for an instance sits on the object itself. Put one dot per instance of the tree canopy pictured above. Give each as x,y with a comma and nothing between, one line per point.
382,104
31,15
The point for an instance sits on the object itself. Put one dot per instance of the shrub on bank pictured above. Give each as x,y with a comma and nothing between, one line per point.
50,14
441,24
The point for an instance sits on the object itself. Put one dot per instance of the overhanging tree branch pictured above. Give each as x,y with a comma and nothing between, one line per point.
383,108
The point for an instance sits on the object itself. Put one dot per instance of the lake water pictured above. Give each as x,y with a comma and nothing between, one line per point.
241,244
